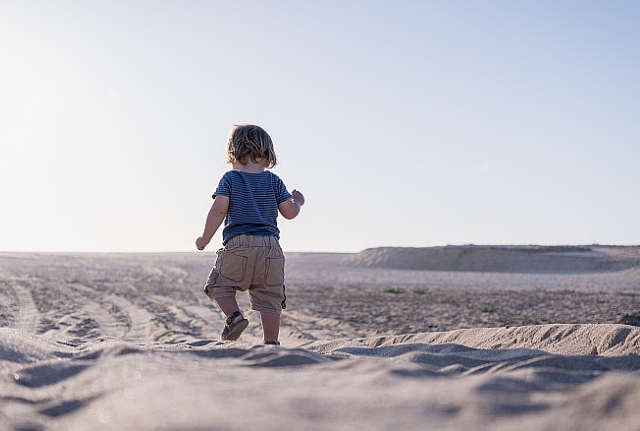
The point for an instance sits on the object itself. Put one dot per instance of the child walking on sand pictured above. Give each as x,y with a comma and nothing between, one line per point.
248,199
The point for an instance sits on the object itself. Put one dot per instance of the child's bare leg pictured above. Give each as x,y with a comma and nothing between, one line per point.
228,305
270,325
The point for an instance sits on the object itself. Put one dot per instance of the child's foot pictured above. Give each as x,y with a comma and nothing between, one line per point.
235,324
274,342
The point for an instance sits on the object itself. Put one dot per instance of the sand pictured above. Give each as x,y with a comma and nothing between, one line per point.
501,338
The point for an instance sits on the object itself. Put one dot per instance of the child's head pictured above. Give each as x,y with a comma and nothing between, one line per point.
250,142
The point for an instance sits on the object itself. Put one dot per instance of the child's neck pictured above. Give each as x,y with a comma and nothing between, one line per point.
250,166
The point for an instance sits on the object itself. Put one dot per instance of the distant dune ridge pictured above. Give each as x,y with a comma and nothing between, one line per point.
515,259
129,341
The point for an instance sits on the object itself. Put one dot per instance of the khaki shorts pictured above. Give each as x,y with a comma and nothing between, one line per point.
253,263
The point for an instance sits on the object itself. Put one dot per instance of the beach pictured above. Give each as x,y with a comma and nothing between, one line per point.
446,338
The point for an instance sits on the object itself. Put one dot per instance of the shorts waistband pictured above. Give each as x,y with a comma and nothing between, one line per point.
253,241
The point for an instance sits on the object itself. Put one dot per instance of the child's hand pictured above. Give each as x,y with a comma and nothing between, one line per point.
201,243
298,197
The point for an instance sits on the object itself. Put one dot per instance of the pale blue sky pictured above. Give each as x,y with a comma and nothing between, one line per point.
405,123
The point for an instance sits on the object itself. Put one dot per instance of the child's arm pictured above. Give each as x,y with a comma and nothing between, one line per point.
291,208
216,215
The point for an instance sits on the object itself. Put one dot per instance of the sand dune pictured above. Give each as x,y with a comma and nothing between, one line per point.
513,259
128,341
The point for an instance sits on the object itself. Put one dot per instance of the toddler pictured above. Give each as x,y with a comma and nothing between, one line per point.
248,199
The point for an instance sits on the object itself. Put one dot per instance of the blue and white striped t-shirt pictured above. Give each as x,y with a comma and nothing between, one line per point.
253,203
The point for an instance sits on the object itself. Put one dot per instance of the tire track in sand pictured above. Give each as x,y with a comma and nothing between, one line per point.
90,311
134,322
28,317
138,319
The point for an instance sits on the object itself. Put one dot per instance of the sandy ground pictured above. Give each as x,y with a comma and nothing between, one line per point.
447,338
